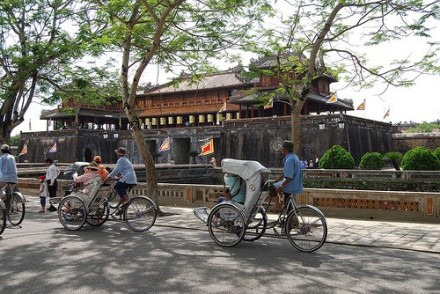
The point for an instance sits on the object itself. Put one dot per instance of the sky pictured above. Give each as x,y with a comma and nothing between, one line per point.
418,103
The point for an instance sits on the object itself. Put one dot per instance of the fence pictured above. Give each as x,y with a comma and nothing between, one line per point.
339,203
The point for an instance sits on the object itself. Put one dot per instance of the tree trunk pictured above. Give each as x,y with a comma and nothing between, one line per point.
295,116
150,169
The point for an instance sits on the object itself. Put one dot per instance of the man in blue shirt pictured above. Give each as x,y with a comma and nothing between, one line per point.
8,167
127,176
291,180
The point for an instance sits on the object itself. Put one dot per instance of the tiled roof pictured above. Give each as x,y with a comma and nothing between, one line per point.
227,79
193,109
248,96
59,113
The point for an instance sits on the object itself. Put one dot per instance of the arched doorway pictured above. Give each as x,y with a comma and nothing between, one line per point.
88,155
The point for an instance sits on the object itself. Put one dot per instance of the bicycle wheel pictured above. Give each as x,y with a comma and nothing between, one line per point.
226,225
72,213
113,199
140,214
99,215
16,209
256,228
2,219
306,228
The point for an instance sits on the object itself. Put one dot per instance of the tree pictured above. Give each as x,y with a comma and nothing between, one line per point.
171,33
40,40
322,37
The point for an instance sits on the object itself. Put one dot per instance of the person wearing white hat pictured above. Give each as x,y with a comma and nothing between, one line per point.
127,176
8,167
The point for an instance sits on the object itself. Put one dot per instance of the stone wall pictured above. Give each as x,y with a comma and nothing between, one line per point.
405,141
249,139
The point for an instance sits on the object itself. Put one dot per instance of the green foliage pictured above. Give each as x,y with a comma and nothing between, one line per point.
15,140
372,160
436,152
424,127
337,158
420,158
40,43
393,155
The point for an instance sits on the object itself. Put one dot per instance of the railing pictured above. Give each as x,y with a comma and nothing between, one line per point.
354,204
370,174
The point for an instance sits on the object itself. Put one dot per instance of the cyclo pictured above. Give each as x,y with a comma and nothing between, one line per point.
103,202
229,223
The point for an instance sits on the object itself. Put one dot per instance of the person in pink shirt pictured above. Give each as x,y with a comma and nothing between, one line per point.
87,178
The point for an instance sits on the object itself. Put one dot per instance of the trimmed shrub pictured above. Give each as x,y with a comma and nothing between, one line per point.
437,152
393,155
372,160
337,158
420,158
395,158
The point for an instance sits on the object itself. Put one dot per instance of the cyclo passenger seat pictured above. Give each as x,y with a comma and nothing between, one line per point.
93,193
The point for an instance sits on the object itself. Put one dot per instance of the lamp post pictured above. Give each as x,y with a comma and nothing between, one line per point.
340,123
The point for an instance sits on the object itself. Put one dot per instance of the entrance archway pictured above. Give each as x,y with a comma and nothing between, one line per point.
88,155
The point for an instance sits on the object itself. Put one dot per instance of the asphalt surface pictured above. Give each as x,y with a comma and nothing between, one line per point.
399,235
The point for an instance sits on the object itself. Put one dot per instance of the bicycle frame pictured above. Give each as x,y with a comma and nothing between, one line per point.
11,192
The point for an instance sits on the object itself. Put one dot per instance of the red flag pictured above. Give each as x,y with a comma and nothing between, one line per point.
24,150
53,149
208,148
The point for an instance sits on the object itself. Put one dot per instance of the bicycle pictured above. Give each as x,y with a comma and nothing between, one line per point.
73,211
14,203
2,217
229,223
304,225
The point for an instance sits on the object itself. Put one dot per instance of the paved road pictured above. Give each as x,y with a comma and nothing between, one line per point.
42,257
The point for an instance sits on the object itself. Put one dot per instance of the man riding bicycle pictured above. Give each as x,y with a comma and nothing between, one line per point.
8,168
127,176
290,181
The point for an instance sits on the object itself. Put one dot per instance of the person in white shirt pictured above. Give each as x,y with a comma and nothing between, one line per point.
51,180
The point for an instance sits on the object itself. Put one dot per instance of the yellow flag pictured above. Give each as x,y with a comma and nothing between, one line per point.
361,106
332,99
269,104
165,145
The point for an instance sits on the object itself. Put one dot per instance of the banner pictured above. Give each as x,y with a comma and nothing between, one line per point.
332,99
53,149
24,150
223,108
361,106
269,104
208,148
165,145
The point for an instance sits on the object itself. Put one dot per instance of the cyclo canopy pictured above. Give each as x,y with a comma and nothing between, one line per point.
255,175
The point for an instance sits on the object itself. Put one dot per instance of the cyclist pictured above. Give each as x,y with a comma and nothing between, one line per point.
8,168
290,181
124,173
